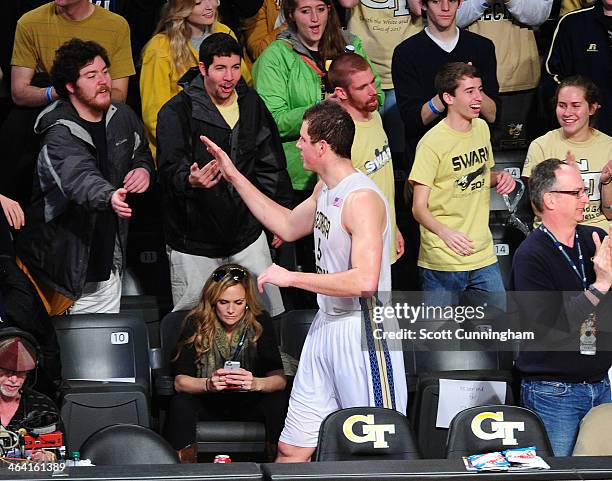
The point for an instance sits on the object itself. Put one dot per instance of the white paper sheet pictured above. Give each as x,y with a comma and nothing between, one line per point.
457,395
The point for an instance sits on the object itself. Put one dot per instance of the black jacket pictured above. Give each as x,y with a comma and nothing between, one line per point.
216,222
582,45
69,190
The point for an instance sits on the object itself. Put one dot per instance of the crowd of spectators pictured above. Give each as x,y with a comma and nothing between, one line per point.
102,101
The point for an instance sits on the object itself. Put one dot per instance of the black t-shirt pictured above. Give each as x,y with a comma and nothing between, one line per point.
267,357
103,240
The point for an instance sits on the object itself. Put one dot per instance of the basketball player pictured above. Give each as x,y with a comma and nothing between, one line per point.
352,233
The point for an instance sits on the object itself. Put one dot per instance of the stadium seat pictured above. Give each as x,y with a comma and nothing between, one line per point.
366,433
294,326
496,427
124,444
105,364
212,437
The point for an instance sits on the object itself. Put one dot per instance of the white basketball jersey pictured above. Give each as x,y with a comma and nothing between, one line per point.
333,243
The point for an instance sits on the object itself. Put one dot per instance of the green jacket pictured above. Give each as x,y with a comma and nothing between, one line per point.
289,86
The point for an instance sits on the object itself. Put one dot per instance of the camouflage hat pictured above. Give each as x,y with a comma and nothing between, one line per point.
17,354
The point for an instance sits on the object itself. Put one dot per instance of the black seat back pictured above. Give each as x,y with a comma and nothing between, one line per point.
363,433
496,427
123,444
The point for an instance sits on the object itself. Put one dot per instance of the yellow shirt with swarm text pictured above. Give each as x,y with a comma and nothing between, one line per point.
457,167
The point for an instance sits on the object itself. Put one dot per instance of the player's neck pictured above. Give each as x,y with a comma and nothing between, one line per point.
77,11
336,170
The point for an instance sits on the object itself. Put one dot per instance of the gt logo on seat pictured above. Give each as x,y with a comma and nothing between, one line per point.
500,429
371,432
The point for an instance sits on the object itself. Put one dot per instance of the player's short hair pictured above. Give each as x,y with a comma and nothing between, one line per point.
448,77
542,180
330,122
344,67
70,58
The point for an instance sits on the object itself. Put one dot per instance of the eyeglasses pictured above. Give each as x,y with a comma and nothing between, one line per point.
235,273
576,193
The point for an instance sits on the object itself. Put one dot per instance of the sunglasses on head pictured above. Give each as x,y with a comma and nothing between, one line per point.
235,273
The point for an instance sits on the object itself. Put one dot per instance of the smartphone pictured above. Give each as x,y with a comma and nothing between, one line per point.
232,365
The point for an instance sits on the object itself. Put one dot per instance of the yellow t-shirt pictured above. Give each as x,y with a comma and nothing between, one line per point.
371,155
42,31
381,27
231,112
457,167
591,157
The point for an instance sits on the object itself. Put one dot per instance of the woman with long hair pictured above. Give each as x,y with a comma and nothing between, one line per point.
291,73
228,364
577,102
172,51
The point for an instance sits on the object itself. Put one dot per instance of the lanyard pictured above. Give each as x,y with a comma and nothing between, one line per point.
559,246
240,344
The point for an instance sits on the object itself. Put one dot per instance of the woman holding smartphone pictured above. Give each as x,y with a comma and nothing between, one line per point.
228,365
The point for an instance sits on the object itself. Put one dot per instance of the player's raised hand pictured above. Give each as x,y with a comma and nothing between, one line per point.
277,275
225,164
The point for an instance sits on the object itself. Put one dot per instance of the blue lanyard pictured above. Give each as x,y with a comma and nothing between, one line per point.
559,246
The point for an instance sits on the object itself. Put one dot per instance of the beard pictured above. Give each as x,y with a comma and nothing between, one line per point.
99,101
366,107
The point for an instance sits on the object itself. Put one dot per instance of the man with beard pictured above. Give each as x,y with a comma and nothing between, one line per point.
354,87
94,152
205,221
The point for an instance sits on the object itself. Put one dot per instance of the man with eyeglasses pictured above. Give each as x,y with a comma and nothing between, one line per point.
573,262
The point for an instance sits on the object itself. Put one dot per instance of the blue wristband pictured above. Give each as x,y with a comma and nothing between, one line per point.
48,94
433,108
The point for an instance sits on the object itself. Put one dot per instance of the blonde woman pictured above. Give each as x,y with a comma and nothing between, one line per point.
228,326
172,51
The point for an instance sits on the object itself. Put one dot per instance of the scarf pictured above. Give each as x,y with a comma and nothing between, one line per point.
224,349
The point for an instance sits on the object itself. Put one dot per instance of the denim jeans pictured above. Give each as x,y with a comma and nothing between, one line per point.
562,405
480,286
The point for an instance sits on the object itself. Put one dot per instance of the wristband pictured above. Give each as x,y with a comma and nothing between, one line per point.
596,292
433,108
49,94
606,206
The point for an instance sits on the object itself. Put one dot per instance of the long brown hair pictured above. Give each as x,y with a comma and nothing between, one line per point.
332,41
203,317
173,23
